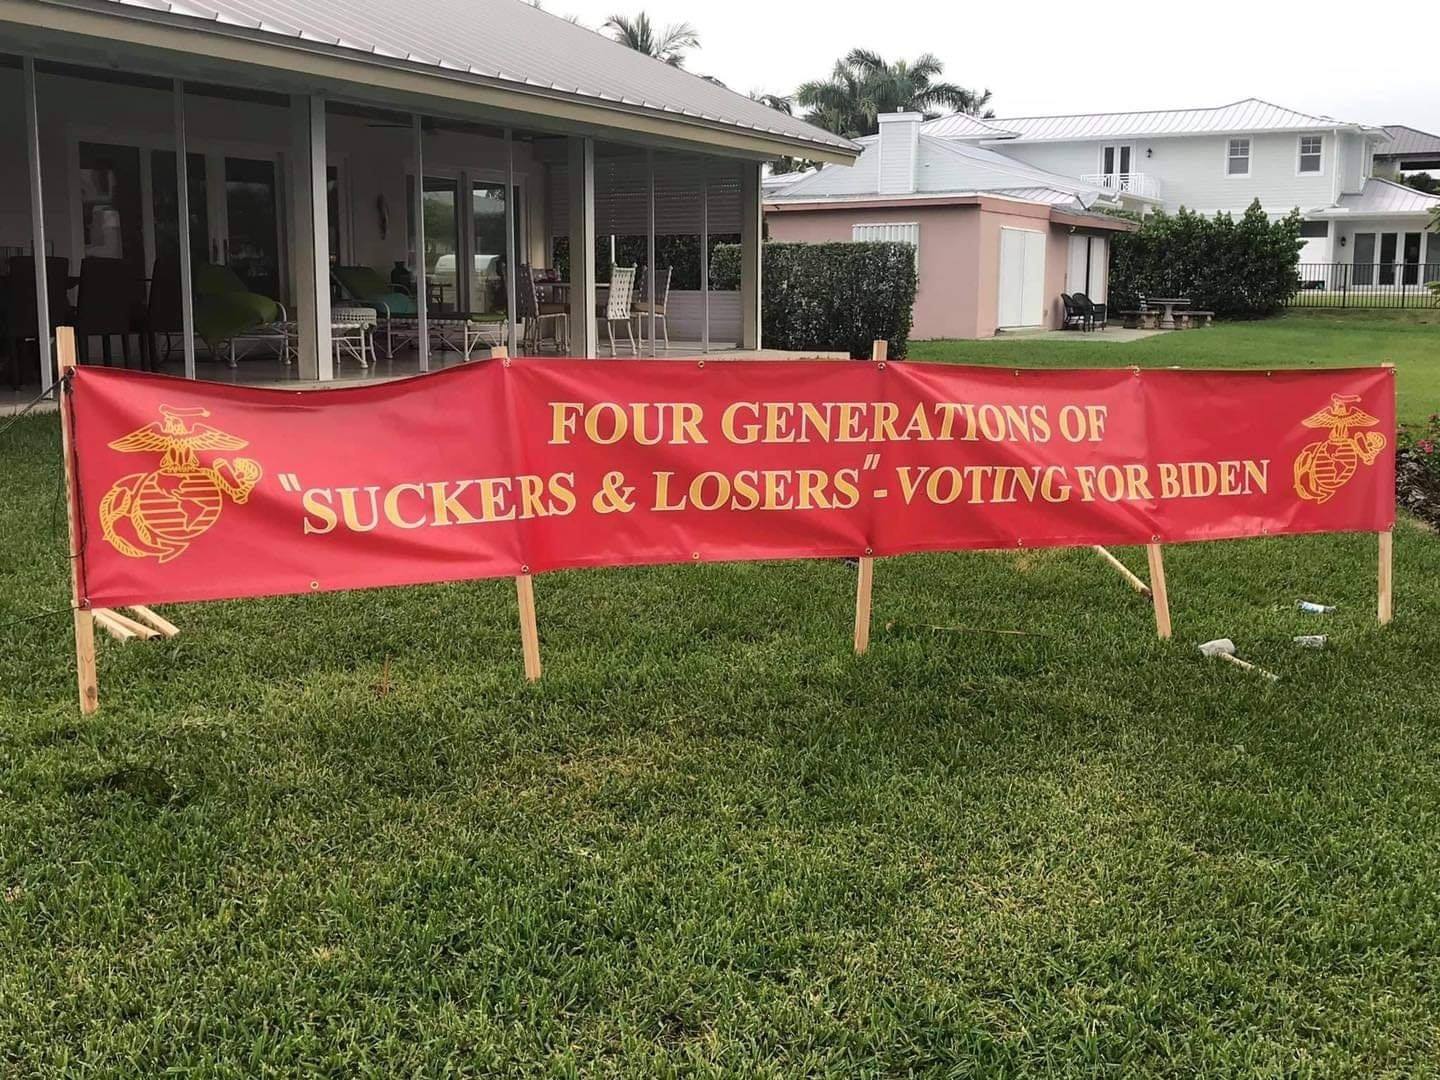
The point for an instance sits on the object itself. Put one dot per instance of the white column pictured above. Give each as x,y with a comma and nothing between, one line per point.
705,261
512,262
582,246
311,247
182,230
418,210
37,229
750,256
650,236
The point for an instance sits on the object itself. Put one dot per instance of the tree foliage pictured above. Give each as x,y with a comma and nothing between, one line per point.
863,85
839,296
668,45
1237,268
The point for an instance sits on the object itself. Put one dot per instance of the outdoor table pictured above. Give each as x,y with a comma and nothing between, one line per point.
1169,303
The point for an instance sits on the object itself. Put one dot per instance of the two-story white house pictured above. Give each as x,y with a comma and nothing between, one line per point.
1224,158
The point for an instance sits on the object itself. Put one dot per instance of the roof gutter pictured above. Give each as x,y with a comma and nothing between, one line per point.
186,39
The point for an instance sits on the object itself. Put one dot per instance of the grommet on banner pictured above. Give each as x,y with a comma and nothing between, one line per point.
880,366
524,569
869,551
314,584
695,555
700,363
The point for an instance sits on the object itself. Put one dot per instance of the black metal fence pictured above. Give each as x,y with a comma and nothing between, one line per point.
1367,285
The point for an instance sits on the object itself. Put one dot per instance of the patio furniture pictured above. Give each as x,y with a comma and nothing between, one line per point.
662,296
1169,304
225,309
533,312
351,334
1201,318
617,306
1141,320
1074,315
20,317
365,286
111,303
1095,313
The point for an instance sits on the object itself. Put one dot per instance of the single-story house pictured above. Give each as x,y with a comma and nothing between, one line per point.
997,241
436,143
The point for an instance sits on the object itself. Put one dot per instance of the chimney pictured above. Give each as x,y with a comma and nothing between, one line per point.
899,144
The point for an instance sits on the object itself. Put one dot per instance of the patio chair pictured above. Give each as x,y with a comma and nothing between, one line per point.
363,285
225,309
1074,315
617,306
533,313
662,295
1096,313
111,303
20,316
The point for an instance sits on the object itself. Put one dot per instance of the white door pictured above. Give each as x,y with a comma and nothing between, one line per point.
1099,269
1077,266
1022,278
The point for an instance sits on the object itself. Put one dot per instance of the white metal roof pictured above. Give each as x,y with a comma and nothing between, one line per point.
942,167
1408,141
1248,115
1382,197
964,126
501,41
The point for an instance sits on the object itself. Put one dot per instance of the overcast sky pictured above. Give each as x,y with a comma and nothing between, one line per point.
1040,57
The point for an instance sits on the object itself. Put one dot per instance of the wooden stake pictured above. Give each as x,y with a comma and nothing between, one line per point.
124,622
1157,591
500,352
84,620
865,580
862,604
106,620
1386,606
529,634
163,626
1135,583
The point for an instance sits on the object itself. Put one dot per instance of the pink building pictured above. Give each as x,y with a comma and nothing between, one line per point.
997,241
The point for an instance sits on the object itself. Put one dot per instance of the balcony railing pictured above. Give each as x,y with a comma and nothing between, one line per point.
1131,183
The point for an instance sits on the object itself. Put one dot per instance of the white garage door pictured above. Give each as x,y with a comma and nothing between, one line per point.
1022,278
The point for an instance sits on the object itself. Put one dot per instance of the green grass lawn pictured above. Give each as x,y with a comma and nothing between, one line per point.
340,835
1408,339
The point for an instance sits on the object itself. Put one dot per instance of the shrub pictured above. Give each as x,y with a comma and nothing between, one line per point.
1417,468
1236,268
829,296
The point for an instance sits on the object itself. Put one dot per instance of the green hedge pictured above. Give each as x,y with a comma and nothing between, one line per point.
829,296
1236,268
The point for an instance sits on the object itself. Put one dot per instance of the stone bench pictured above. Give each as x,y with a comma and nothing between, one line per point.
1141,320
1186,320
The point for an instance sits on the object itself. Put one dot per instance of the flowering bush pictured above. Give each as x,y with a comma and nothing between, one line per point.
1417,468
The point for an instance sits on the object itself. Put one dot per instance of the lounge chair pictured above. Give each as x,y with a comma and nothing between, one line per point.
362,285
226,309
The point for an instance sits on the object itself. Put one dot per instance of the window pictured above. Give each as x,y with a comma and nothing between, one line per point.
907,232
1314,230
1237,161
1310,146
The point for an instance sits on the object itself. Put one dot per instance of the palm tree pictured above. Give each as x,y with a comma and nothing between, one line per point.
863,85
668,45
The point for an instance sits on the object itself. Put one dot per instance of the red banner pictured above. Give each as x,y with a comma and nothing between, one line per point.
200,491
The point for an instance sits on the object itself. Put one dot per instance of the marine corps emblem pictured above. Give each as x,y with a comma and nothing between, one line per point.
159,514
1322,468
